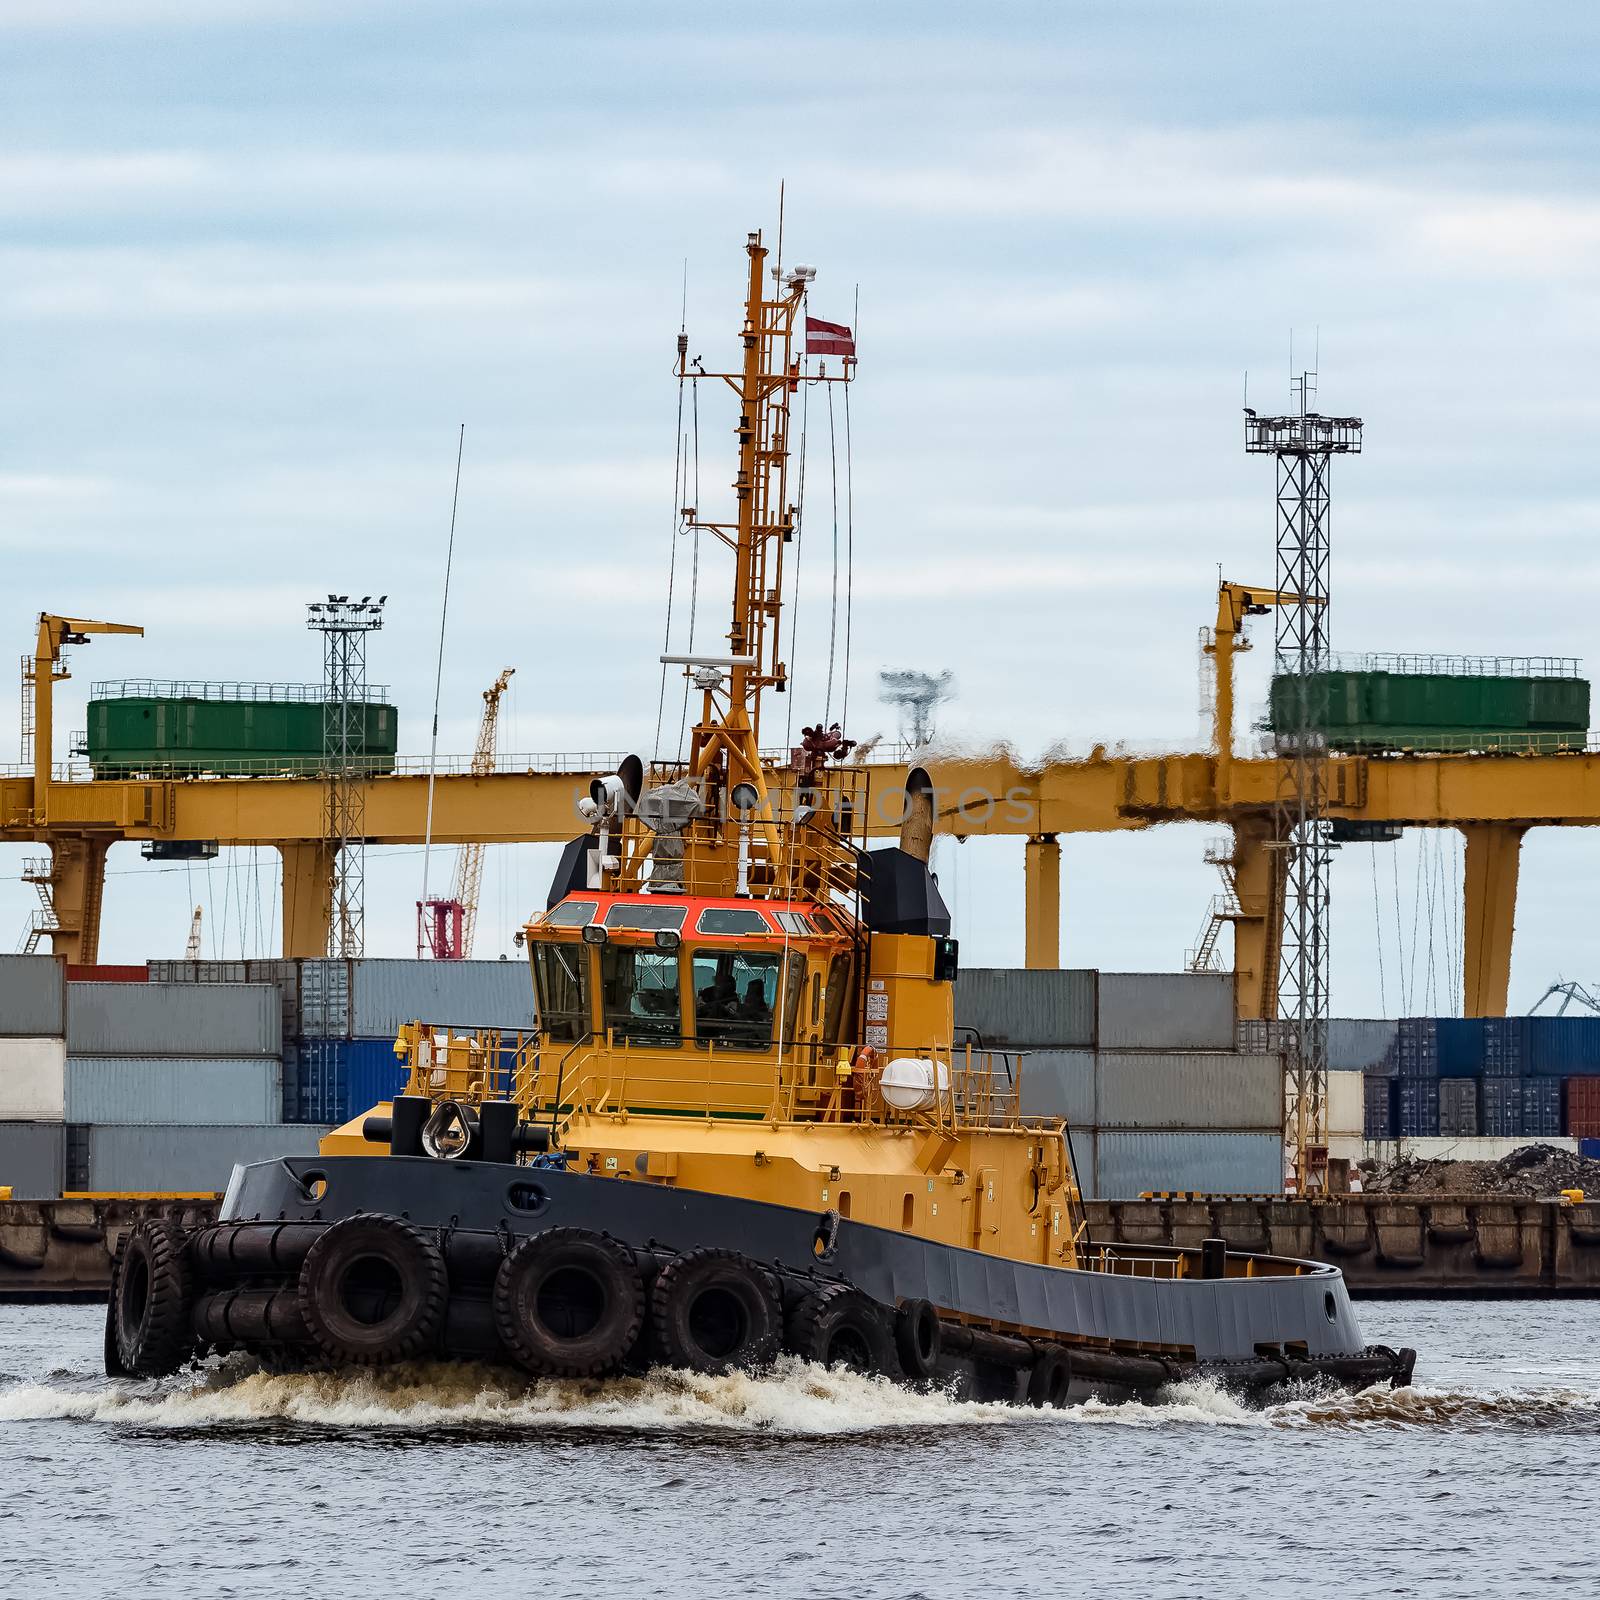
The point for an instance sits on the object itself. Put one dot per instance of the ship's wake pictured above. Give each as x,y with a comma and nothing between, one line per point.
795,1399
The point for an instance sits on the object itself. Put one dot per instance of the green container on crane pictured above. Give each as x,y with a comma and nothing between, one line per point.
230,729
1388,704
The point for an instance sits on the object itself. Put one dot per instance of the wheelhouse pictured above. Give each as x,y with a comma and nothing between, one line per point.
694,972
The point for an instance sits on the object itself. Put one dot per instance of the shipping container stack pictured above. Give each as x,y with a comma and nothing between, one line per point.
340,1019
1505,1080
1144,1068
33,1070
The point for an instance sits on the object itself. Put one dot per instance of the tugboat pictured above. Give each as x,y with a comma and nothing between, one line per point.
743,1124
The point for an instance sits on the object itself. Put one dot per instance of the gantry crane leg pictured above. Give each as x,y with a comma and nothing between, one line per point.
1494,853
1258,925
1041,867
307,898
77,888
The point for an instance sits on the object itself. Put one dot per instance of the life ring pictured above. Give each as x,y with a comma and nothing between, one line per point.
918,1339
569,1303
151,1296
1050,1378
715,1311
372,1290
838,1326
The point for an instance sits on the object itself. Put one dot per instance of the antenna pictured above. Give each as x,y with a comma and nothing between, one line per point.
438,671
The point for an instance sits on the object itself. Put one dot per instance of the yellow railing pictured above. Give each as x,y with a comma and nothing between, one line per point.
602,1074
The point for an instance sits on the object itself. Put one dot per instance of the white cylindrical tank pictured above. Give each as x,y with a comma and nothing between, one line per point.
908,1082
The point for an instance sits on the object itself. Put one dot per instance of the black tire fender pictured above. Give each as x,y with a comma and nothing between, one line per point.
715,1311
569,1303
837,1325
373,1290
918,1339
1050,1377
113,1357
152,1293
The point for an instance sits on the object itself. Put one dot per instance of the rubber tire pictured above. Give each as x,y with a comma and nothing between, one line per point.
408,1325
152,1297
840,1326
526,1332
113,1357
1050,1378
918,1340
748,1294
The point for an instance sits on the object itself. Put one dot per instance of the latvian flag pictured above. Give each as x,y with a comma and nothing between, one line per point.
829,339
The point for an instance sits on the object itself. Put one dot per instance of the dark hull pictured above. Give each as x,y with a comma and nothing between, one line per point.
1123,1330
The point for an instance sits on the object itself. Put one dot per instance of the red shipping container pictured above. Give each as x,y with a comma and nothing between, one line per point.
112,974
1583,1108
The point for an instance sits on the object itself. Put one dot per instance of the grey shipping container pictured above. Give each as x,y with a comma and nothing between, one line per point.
1058,1083
1024,1008
324,1000
1358,1044
1166,1011
150,1158
33,1159
1189,1089
1128,1164
173,1019
176,1089
33,997
284,973
466,994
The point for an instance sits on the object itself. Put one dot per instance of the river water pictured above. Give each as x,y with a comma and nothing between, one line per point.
1481,1480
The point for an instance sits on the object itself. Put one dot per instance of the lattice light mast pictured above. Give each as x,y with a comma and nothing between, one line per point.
344,625
1304,445
917,694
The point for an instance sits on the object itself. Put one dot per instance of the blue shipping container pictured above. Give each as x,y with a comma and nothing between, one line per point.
1590,1148
1561,1047
1418,1101
1504,1041
1541,1108
1502,1108
341,1078
1379,1118
1417,1047
1461,1047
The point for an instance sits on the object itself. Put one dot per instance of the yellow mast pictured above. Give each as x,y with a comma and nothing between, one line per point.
764,523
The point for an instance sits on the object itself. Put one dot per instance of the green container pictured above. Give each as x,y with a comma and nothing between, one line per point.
1435,711
194,735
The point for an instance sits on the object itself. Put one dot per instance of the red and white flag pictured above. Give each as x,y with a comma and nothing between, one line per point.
829,338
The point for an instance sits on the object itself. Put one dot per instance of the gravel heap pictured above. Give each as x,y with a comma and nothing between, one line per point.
1533,1169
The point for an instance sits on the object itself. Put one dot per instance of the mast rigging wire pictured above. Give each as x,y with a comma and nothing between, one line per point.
672,564
799,552
849,530
438,672
1377,919
833,614
694,576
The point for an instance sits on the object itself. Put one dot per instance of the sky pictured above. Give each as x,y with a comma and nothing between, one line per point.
260,260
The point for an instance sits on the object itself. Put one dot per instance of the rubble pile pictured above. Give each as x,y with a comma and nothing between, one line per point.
1539,1170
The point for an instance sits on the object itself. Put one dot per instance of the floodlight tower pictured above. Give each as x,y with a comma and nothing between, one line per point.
344,625
1304,445
917,693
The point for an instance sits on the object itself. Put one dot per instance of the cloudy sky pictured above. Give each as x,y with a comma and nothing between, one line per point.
259,260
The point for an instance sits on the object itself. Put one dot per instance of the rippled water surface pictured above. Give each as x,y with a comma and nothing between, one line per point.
1482,1480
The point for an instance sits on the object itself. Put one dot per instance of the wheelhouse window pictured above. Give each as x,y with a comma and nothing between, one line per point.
639,994
735,996
571,914
646,918
731,921
838,997
560,977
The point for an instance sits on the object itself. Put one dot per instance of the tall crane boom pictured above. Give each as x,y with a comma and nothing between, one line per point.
469,863
446,924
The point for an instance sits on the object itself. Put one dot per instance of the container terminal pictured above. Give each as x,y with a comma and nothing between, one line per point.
1210,1087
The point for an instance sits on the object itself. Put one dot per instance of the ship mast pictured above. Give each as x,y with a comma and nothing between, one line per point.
725,749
